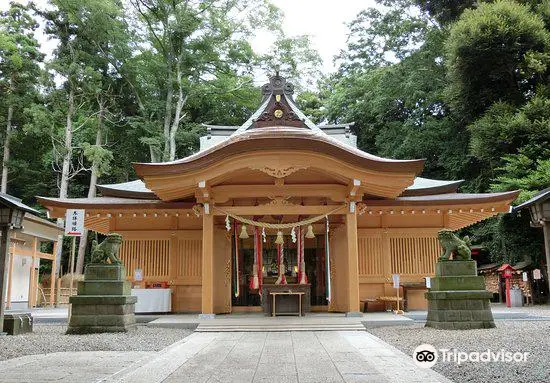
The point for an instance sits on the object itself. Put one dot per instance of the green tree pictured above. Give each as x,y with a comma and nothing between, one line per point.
445,11
497,52
19,73
186,44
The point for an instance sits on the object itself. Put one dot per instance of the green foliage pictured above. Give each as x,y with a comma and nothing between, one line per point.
509,238
445,11
506,138
469,93
497,52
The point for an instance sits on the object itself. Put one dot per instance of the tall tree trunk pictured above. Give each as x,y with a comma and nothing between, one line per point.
68,148
179,108
6,158
92,190
168,112
66,168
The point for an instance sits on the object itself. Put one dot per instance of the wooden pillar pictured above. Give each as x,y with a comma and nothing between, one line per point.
352,263
32,282
546,232
207,264
11,254
53,275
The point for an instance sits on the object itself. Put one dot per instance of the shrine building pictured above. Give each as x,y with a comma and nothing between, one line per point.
279,204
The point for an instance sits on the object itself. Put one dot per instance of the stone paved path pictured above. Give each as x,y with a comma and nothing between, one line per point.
276,357
254,357
69,367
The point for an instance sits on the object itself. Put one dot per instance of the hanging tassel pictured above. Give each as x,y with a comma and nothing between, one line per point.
310,233
264,236
244,233
293,234
236,283
259,249
279,240
227,223
254,280
281,279
302,276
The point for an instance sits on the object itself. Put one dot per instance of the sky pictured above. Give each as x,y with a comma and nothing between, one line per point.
325,21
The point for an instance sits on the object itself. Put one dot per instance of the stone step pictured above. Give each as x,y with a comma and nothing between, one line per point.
278,327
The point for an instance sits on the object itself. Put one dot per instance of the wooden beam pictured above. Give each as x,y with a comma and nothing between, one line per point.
223,193
280,210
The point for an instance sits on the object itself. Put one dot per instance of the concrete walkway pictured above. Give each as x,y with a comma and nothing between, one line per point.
312,356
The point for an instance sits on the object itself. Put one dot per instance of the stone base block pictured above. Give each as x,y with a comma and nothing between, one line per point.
97,314
465,282
18,323
459,314
100,272
104,288
460,325
102,299
455,268
86,323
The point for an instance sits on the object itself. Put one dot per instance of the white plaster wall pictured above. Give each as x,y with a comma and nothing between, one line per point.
20,279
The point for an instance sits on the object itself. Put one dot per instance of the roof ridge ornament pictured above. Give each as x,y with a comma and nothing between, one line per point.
277,85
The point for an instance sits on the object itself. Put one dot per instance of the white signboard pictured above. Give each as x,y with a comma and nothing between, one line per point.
74,222
395,278
428,282
536,274
138,275
524,276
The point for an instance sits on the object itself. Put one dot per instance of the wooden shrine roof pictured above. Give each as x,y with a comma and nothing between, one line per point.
281,138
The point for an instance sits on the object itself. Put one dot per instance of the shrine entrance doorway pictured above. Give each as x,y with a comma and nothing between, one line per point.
248,299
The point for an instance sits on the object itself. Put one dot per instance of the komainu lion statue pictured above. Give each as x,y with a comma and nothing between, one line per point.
452,245
107,251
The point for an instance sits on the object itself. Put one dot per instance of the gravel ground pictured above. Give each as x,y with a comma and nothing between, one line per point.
51,338
522,336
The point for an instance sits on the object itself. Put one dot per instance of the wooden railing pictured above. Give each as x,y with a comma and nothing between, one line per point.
152,256
413,255
407,252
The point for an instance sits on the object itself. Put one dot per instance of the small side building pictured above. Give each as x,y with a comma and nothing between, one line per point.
24,262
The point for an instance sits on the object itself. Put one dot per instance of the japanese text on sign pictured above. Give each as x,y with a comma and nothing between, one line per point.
74,222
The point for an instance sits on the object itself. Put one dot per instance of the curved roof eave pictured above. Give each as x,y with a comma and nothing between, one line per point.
284,138
446,199
427,186
98,203
132,189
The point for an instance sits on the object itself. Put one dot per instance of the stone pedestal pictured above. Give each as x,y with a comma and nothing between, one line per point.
103,302
457,298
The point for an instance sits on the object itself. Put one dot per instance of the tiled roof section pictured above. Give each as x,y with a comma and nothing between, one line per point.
98,203
428,186
274,138
16,203
540,197
445,199
131,189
